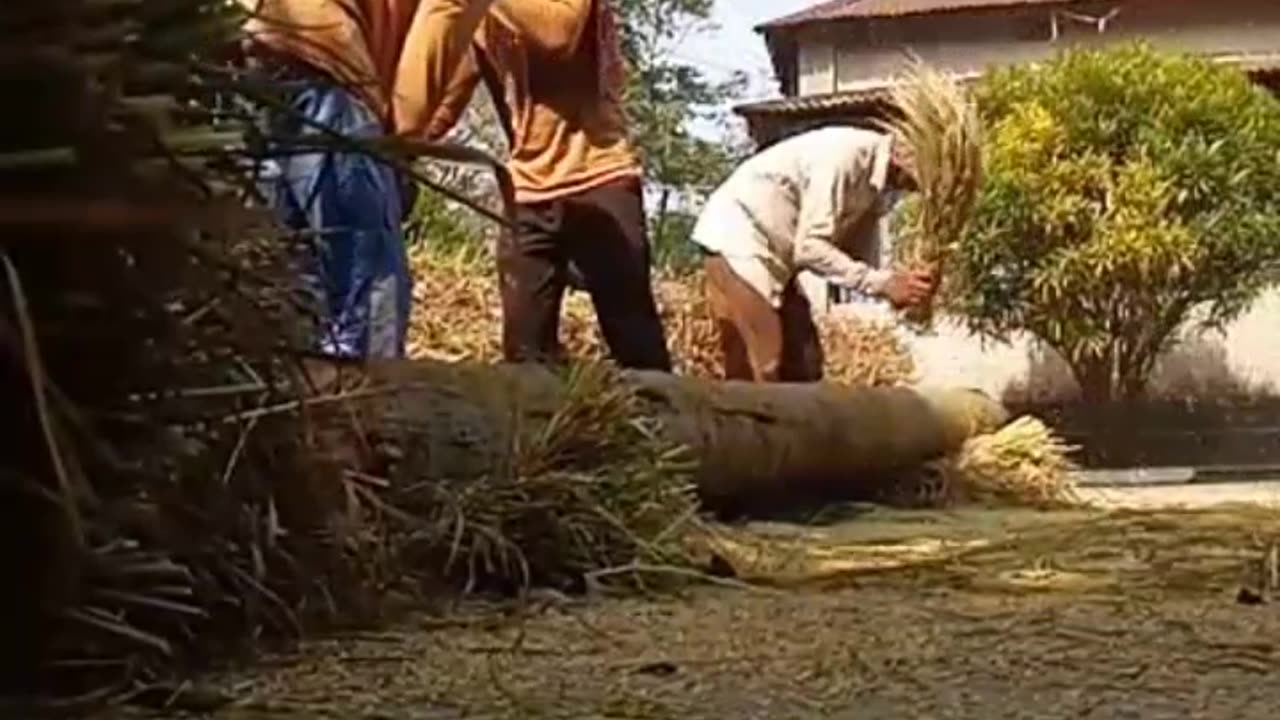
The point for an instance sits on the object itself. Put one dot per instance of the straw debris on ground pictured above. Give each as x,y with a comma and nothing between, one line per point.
1013,614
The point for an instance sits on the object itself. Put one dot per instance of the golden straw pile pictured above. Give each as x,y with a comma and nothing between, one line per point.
938,128
457,316
1023,463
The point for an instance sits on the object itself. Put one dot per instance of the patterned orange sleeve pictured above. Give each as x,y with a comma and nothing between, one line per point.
457,96
438,41
555,27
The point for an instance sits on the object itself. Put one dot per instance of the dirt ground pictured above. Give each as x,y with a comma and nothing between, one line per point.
976,615
856,653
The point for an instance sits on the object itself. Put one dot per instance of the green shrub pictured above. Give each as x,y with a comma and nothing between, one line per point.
445,226
1125,190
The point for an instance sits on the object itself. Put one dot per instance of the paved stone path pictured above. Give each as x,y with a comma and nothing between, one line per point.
1265,493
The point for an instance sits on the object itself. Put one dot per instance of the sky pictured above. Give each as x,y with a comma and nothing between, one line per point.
733,45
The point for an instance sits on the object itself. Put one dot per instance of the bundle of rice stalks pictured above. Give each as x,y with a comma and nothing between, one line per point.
457,316
939,129
174,498
589,496
1024,463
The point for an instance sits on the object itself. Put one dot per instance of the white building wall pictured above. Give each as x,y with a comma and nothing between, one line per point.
1248,353
829,63
1245,357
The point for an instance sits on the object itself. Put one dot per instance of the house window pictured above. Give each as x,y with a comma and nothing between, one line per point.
817,68
1068,26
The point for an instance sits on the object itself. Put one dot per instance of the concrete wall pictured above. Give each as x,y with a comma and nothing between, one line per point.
1243,359
849,56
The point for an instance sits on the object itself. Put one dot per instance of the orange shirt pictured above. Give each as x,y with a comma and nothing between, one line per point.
567,120
389,51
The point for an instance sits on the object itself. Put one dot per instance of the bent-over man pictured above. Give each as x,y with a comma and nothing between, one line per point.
805,203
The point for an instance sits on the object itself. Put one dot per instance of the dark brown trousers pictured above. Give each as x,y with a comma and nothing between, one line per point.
602,232
760,342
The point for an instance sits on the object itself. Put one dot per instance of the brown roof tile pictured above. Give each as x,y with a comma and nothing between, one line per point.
854,9
848,100
1258,65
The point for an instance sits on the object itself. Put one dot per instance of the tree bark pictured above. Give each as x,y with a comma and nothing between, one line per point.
660,222
1097,381
755,445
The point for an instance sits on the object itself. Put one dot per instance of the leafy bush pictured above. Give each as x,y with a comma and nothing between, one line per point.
447,227
1126,189
673,250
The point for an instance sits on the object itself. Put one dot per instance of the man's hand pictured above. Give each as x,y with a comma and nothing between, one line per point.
909,288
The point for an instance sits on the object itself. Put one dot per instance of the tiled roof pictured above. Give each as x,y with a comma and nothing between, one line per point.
806,104
853,9
827,102
1256,64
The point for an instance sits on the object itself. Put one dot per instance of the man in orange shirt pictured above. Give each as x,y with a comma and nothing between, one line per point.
344,64
555,72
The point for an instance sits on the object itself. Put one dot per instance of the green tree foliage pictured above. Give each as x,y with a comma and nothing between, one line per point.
665,96
1128,192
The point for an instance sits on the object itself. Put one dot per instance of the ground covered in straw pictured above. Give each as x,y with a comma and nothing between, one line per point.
456,316
1003,615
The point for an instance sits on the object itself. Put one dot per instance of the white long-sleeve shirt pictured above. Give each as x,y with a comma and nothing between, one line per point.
794,206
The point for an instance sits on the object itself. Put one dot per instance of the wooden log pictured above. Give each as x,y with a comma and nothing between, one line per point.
768,446
755,445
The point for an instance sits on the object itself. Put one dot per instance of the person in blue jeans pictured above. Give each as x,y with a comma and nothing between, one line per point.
351,207
358,68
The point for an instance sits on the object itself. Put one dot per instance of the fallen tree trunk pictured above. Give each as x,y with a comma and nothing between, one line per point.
754,446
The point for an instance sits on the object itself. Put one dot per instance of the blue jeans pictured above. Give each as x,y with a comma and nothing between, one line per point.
350,205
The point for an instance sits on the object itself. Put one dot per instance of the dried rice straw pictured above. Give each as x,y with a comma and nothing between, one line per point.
456,316
940,130
1023,463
